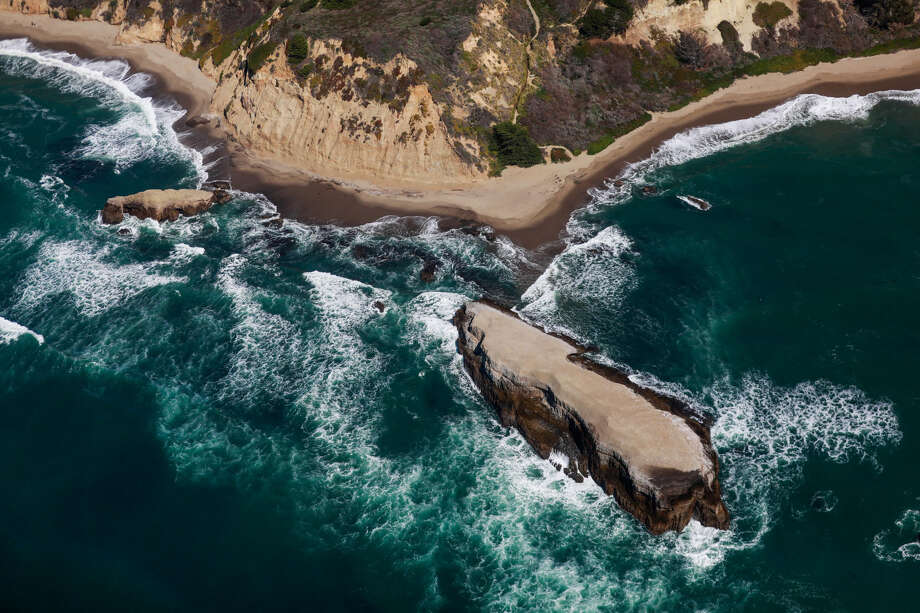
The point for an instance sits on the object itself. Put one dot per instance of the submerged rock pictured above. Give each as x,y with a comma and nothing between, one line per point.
648,450
161,204
429,271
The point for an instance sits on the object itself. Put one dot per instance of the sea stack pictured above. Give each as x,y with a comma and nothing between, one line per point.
648,450
162,204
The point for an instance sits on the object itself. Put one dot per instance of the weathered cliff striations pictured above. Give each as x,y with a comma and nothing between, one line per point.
322,124
161,204
396,98
646,449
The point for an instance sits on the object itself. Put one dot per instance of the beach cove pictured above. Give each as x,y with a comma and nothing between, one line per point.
530,205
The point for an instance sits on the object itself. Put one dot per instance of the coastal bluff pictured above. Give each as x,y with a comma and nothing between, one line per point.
162,204
648,450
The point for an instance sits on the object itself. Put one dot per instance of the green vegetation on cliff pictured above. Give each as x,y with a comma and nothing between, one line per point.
513,146
501,96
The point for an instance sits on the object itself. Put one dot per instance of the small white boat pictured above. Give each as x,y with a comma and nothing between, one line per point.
697,203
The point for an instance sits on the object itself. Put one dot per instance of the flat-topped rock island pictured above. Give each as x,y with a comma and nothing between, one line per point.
162,204
648,450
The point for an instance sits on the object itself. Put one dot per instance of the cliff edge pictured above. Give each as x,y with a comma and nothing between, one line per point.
646,449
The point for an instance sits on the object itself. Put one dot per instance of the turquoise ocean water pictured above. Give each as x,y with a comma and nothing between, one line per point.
211,414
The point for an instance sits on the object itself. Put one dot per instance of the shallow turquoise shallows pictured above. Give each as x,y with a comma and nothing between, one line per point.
212,414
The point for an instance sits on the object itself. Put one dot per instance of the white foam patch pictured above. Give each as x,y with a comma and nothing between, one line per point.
588,271
183,254
96,285
144,129
432,313
702,141
900,543
764,434
10,331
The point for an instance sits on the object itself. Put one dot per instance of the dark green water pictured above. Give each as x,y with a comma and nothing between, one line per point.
220,419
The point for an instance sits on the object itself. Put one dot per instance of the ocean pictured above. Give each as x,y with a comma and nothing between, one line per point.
212,414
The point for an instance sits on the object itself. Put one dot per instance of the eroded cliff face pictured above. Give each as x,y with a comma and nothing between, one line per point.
647,450
327,122
408,94
320,121
669,17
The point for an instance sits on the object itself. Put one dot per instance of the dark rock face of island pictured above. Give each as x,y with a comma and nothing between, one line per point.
648,450
162,204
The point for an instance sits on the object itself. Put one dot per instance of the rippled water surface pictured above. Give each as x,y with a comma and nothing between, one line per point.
213,414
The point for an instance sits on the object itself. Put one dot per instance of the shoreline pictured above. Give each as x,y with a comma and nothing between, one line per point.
531,206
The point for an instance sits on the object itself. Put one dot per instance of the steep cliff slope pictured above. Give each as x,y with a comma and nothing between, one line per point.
446,91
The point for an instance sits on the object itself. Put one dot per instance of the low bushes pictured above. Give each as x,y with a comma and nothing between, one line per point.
605,22
512,145
768,15
297,49
258,55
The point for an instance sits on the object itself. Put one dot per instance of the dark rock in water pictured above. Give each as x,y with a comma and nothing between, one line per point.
217,184
360,252
429,270
697,203
470,228
193,122
619,183
158,204
379,306
222,196
649,190
273,222
124,231
648,450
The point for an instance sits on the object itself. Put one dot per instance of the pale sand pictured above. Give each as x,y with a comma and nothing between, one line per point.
646,438
532,204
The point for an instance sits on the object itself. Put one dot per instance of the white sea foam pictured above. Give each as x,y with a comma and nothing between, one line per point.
695,143
95,283
432,312
587,271
10,331
144,128
900,543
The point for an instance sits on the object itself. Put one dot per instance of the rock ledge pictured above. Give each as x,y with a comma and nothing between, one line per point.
648,450
162,204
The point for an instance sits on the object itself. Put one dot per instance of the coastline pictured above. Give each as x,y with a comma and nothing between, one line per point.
530,206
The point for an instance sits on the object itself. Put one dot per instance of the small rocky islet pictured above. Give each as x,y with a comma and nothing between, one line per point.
648,450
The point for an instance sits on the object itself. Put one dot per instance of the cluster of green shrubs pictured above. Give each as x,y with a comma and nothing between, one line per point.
258,55
606,140
767,15
306,5
338,5
605,22
512,145
229,44
886,13
558,155
73,13
297,49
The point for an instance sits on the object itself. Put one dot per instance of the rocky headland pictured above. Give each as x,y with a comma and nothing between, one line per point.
648,450
162,204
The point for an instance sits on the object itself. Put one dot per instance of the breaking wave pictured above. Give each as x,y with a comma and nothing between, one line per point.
143,129
703,141
10,331
900,543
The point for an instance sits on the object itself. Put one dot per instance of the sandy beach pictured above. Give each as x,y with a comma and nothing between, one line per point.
529,205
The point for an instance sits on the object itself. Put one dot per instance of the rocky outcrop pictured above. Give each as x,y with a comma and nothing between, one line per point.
648,450
161,204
